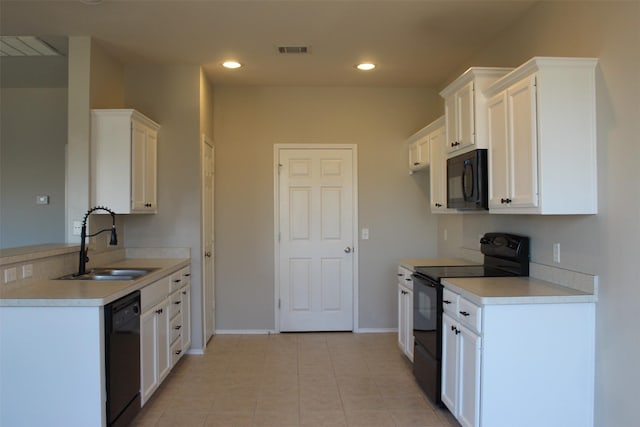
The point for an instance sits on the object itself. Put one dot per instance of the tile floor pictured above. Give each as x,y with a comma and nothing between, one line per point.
310,379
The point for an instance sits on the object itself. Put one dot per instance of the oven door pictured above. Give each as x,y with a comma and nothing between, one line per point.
427,315
427,324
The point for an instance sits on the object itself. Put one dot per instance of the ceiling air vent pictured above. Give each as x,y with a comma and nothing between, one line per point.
293,49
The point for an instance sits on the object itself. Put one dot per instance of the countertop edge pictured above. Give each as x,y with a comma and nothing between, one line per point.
176,264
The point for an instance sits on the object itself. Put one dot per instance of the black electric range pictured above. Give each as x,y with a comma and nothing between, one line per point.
504,255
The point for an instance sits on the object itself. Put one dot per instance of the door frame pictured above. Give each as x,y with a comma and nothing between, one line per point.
205,140
276,223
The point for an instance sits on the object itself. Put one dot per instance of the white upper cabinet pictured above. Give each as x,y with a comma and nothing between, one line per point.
542,138
465,109
124,161
419,150
438,168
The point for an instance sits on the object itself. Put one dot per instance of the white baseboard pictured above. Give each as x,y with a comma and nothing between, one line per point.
245,331
197,351
375,330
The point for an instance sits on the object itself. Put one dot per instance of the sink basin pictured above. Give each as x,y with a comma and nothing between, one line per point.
110,274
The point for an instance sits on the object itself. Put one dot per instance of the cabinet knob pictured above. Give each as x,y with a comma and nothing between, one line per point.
464,313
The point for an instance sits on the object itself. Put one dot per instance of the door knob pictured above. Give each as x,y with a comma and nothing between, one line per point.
347,249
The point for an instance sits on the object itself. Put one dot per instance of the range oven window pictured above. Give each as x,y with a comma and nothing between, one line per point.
426,314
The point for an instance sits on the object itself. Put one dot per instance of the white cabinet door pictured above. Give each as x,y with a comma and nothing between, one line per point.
523,141
468,412
438,171
148,355
402,326
155,361
499,164
143,167
449,363
465,117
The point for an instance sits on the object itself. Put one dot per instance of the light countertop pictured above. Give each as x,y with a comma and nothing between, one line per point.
515,290
412,263
88,293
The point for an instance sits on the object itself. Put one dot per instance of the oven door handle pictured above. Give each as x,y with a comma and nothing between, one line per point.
421,279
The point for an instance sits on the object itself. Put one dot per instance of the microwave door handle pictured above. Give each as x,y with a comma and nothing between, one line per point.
465,196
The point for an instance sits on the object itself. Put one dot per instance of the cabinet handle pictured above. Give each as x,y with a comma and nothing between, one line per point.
178,327
445,301
159,311
408,279
438,205
178,352
507,200
176,281
464,313
455,330
400,274
147,205
184,292
177,302
187,274
416,163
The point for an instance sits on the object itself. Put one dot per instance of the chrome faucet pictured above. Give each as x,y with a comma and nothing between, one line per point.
82,267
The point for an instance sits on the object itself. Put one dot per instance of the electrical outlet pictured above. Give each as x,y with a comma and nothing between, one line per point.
365,234
27,271
77,228
556,253
10,275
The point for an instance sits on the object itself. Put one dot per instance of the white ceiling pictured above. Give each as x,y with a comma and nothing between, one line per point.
413,42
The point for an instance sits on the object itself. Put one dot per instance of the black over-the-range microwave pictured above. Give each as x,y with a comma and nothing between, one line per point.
468,181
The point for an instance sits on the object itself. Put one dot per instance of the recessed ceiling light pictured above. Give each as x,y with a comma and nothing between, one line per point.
231,64
366,66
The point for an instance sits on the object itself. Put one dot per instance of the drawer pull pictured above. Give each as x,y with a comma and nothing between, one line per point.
176,281
187,274
178,352
159,311
177,302
464,313
177,328
444,301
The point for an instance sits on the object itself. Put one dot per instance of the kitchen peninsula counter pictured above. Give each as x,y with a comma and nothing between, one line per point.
89,293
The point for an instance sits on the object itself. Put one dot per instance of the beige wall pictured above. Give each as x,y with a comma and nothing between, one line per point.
170,95
392,204
605,244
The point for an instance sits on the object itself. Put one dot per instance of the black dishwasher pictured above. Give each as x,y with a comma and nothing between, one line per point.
122,359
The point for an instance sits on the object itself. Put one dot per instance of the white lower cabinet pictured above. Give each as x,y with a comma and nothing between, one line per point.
165,304
522,365
405,312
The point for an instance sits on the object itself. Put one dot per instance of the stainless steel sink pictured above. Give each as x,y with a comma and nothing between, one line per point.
110,274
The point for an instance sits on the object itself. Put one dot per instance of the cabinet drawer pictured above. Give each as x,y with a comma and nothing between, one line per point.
175,304
469,314
450,302
154,293
176,328
404,277
176,352
177,281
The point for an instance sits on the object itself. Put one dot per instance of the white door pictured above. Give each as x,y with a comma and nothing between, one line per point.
208,239
316,249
